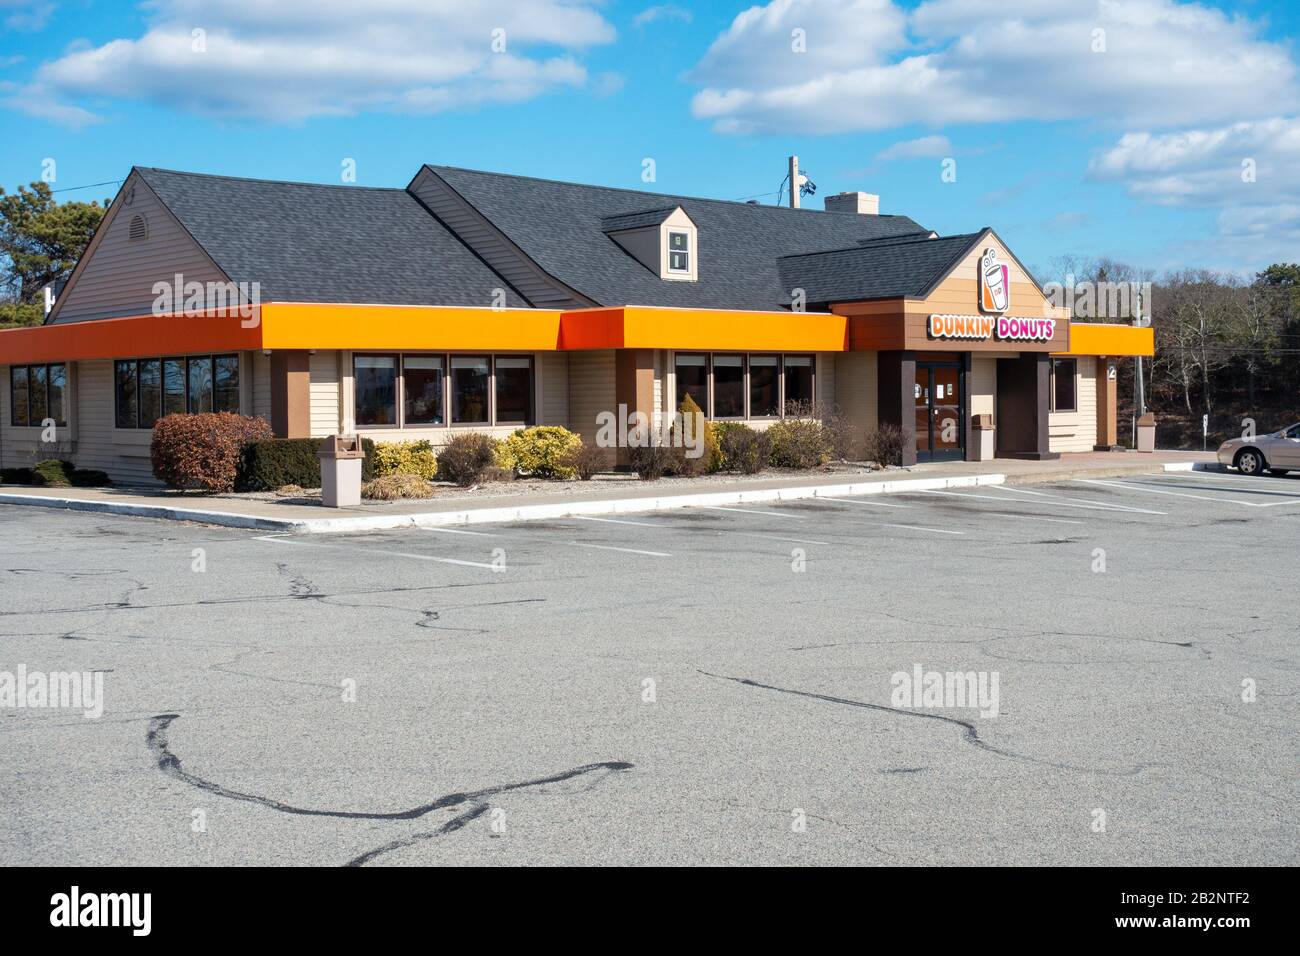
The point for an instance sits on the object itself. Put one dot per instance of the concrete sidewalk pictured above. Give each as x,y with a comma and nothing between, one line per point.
620,494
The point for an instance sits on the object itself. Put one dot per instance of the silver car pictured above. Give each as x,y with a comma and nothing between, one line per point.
1276,453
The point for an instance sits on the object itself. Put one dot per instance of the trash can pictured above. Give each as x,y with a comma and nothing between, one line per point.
982,429
1146,433
340,471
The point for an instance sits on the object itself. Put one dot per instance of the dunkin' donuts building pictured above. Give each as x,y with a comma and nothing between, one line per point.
484,302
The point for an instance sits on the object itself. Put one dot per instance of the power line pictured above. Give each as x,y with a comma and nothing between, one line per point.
71,189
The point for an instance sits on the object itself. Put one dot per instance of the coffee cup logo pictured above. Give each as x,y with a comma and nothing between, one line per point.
995,284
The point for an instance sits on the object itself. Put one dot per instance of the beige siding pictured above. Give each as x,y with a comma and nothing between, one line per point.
857,395
591,390
826,379
262,385
118,276
481,236
553,381
324,395
1077,431
983,385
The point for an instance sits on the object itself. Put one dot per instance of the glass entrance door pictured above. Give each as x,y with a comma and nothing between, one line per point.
940,431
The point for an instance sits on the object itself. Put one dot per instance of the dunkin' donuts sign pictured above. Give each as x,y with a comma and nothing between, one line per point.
994,300
981,328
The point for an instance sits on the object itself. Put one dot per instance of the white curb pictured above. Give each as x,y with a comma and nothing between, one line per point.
561,509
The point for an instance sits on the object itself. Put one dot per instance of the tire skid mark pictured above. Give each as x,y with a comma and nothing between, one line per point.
159,746
971,733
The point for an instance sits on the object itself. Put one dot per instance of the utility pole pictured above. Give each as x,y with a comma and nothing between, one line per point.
794,182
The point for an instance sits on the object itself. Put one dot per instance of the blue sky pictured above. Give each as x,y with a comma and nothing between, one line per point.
1161,133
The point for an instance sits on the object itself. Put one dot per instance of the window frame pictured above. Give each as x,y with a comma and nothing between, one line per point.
685,270
27,369
492,421
162,361
1057,363
749,416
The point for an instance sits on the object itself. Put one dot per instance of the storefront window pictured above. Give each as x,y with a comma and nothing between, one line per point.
226,383
728,386
422,377
764,386
18,385
469,389
149,391
798,383
58,391
693,379
38,377
376,389
199,376
514,389
124,389
1063,385
174,387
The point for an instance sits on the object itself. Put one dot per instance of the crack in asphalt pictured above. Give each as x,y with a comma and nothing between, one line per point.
971,734
170,765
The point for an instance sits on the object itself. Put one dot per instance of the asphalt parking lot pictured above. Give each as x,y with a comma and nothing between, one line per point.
695,687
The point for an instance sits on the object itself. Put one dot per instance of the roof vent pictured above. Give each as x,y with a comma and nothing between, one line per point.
138,229
865,204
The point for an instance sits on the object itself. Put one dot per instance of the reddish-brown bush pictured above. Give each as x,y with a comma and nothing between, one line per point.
202,451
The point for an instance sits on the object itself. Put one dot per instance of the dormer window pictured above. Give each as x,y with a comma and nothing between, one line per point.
679,252
664,240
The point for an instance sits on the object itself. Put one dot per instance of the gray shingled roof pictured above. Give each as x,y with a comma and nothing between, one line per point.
311,243
636,220
884,269
560,226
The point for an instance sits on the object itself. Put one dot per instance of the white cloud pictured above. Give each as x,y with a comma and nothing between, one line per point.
663,12
869,65
1249,171
288,61
31,16
926,147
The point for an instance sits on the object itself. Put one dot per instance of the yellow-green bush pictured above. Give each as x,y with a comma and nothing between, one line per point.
405,458
542,451
690,422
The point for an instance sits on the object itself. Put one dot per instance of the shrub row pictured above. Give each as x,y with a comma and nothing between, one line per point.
54,473
405,458
203,451
274,463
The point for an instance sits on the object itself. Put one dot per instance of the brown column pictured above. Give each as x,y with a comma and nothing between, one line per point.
291,393
896,396
634,385
1107,403
1021,420
971,451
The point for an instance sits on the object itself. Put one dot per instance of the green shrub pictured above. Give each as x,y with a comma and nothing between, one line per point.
650,462
841,433
800,443
406,458
52,473
17,476
541,451
585,461
203,451
691,421
745,449
467,459
276,462
398,484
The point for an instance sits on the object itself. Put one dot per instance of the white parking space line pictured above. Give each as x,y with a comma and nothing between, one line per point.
749,511
608,547
917,527
1002,514
477,534
769,537
1256,485
1183,494
638,524
392,554
1090,504
859,501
